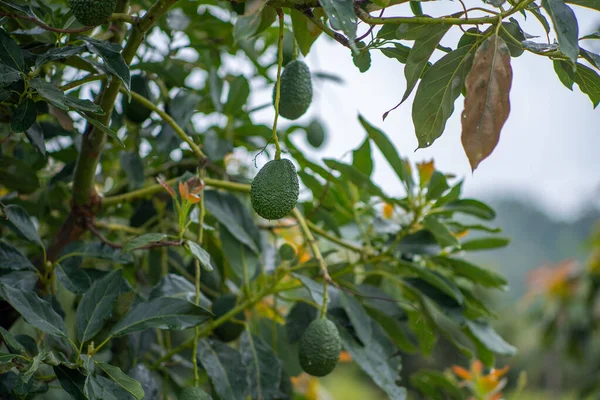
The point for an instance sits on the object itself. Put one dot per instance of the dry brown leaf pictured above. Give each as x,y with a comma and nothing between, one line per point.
487,103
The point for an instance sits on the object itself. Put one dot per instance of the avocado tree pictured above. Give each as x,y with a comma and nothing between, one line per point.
140,259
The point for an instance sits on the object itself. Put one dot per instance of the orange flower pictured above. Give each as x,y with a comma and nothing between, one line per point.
345,357
462,373
184,192
484,387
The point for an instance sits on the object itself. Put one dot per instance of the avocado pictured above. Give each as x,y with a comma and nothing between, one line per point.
315,134
92,12
287,252
229,331
135,111
274,191
296,90
194,393
320,347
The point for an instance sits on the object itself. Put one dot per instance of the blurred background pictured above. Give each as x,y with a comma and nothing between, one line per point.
543,179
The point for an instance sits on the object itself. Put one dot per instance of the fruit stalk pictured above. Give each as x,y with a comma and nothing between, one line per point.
278,84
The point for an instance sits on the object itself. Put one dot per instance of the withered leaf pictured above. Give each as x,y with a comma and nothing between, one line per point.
487,103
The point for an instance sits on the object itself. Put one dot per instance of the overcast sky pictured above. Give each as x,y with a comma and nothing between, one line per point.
548,150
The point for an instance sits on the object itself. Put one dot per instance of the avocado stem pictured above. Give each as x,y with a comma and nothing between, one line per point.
278,84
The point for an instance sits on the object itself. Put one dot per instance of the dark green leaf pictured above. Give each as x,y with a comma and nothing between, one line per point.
97,304
36,362
357,177
262,365
25,280
34,310
248,24
240,258
565,73
75,279
484,243
298,319
471,207
434,285
438,184
24,116
439,88
11,343
415,7
425,44
588,81
21,223
10,53
590,57
8,75
111,55
489,338
565,25
361,322
362,58
102,127
315,288
400,52
305,32
133,166
143,240
595,35
58,53
35,135
128,384
101,388
474,273
239,90
436,385
389,151
593,4
442,234
361,158
200,254
161,313
18,175
516,32
100,251
395,330
341,14
49,92
225,369
172,285
150,385
83,105
71,380
12,259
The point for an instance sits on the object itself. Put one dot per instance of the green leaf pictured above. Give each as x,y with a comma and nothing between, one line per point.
58,53
471,207
248,24
400,52
442,234
161,313
239,90
34,310
234,216
111,55
109,132
437,185
488,337
8,75
415,7
436,385
71,380
24,116
18,175
590,57
129,384
341,14
225,369
172,285
36,362
358,317
11,343
593,4
377,357
565,25
100,388
565,73
21,223
10,53
49,92
314,288
595,35
478,275
487,243
434,285
241,259
357,177
425,44
262,365
97,304
143,240
395,330
439,88
75,279
361,158
83,105
200,254
133,166
362,58
305,32
6,362
35,135
588,81
388,150
100,251
516,32
12,259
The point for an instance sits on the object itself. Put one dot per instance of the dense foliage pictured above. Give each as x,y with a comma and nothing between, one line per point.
132,264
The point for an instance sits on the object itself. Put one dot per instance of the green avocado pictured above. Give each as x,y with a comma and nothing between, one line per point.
229,331
320,347
194,393
296,90
135,111
92,12
315,134
275,189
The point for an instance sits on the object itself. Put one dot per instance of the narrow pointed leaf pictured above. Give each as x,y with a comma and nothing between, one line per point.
565,25
341,14
71,380
111,55
100,388
143,240
262,365
161,313
127,383
487,103
588,81
24,116
97,304
489,338
21,223
200,254
442,234
34,310
225,369
12,259
10,53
